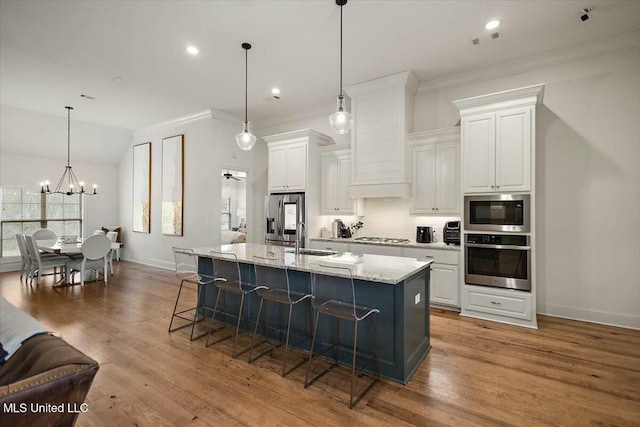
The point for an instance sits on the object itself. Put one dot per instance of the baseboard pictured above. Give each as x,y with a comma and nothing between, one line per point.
152,262
6,267
594,316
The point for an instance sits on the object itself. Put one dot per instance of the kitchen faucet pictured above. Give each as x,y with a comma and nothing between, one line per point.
299,227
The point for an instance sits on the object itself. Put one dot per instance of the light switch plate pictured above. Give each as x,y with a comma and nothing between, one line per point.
417,298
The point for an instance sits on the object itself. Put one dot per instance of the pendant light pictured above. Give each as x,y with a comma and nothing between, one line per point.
246,140
341,120
68,183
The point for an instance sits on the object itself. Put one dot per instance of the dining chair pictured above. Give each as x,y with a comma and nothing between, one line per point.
40,262
112,236
98,233
95,250
24,254
334,296
44,234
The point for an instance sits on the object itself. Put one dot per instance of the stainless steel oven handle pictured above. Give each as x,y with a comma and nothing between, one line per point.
515,248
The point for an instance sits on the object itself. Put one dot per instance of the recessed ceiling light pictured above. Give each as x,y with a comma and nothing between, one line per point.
275,91
192,50
117,79
492,25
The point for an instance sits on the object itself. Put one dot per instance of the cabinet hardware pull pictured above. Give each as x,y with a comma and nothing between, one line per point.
492,186
496,303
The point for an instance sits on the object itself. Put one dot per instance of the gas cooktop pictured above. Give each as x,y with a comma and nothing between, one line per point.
380,240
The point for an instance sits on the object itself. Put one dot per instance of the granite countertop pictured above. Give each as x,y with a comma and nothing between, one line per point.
373,268
409,244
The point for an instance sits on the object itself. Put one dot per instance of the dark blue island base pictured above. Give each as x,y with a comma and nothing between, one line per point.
403,321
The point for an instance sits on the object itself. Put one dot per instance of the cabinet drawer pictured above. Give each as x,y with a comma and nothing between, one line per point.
375,249
440,256
499,302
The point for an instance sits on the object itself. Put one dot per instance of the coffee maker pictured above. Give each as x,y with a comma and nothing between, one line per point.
424,234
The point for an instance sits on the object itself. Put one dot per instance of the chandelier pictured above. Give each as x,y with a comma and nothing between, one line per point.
68,183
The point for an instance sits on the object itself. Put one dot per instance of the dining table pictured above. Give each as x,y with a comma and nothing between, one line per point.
56,246
70,249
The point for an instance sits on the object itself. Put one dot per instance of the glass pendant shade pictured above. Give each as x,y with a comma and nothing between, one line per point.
341,121
246,140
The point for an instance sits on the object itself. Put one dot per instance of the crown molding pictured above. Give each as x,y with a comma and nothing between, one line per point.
203,115
544,60
300,135
451,134
221,115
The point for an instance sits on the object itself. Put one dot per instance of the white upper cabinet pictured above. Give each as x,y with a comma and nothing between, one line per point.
288,165
383,114
336,177
497,134
435,171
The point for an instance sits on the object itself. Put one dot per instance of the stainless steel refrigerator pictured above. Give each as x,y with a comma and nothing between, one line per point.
283,212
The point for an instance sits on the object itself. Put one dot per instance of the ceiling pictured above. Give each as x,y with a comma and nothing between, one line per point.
51,52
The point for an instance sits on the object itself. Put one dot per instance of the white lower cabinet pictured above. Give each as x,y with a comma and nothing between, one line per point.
359,248
445,275
497,302
329,245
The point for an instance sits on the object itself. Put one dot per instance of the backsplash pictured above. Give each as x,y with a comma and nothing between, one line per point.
389,217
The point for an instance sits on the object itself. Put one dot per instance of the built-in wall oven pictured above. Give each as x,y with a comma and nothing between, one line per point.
498,212
499,260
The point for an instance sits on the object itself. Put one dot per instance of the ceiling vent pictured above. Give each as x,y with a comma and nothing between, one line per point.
475,42
496,35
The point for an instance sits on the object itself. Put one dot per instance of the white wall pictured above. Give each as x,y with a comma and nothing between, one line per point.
587,182
209,145
22,164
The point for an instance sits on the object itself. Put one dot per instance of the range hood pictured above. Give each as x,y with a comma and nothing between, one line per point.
383,115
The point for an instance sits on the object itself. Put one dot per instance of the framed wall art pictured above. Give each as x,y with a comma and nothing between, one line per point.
142,188
172,184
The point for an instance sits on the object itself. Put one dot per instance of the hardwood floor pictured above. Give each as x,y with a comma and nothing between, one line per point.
477,373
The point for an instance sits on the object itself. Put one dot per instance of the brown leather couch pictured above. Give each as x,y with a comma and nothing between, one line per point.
45,383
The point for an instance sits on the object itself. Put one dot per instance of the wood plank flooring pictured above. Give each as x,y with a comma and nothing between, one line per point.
478,372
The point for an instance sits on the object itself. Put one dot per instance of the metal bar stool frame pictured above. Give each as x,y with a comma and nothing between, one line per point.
346,311
188,272
225,285
282,296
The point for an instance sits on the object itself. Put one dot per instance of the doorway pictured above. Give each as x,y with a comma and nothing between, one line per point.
233,206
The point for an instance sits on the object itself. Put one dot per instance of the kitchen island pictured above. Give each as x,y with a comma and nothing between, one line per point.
397,286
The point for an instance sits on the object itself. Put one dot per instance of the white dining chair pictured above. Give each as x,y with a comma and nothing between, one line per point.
95,250
98,232
44,234
24,254
113,237
40,262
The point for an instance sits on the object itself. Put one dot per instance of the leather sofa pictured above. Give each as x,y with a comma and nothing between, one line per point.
45,383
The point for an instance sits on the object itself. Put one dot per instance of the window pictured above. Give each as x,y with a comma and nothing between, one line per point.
225,219
24,210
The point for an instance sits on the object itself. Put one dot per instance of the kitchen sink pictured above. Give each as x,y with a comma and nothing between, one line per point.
316,252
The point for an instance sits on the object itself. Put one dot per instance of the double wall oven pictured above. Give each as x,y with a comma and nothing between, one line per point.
499,260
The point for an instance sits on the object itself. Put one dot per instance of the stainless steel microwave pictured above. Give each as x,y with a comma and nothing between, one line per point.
497,212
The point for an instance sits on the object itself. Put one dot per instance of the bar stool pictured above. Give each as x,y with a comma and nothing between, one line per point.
326,302
228,279
187,271
273,277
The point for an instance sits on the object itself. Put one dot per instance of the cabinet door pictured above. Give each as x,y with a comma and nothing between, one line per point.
444,284
513,149
361,248
479,153
447,171
423,181
296,167
344,203
329,196
277,174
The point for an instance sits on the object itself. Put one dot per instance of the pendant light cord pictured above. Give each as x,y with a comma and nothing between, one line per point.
246,80
68,136
341,50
